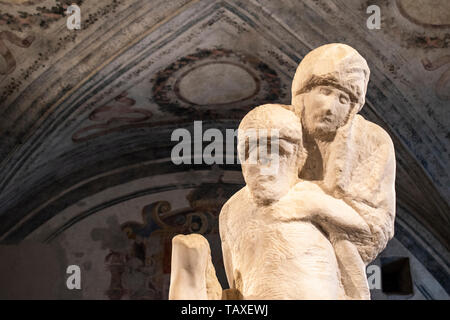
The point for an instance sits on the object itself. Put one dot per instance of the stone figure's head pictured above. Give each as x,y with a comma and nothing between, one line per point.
329,87
270,151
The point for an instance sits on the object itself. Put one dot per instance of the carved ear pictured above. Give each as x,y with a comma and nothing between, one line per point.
353,111
298,104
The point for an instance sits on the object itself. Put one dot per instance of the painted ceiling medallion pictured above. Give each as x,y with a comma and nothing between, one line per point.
212,78
427,13
24,2
216,83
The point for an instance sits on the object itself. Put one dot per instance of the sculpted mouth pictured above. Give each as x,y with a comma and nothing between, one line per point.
265,178
326,119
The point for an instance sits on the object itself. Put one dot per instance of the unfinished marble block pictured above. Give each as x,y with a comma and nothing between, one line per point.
192,273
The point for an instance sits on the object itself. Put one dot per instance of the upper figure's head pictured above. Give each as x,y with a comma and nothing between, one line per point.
330,83
270,151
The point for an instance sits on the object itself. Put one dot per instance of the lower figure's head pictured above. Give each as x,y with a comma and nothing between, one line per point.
270,151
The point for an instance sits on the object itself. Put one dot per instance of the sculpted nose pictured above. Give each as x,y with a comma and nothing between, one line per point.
331,105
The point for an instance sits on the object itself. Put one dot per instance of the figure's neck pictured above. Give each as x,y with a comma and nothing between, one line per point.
323,146
266,202
318,152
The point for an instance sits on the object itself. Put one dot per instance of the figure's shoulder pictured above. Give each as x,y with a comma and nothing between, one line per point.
288,107
372,131
233,214
305,185
234,203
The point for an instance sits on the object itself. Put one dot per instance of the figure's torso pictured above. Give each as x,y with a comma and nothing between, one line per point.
279,259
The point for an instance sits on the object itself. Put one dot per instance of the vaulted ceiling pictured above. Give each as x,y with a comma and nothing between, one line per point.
86,110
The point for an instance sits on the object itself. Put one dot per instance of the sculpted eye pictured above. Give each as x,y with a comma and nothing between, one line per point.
343,99
252,147
285,148
326,91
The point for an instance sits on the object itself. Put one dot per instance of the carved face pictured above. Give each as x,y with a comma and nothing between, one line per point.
270,171
325,109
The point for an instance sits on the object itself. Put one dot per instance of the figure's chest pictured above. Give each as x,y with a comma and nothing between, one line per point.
259,241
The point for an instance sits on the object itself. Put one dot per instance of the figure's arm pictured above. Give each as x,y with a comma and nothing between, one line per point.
226,253
370,189
233,293
375,197
228,265
335,216
308,202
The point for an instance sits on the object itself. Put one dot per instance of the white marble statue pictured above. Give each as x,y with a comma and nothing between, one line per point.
307,229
